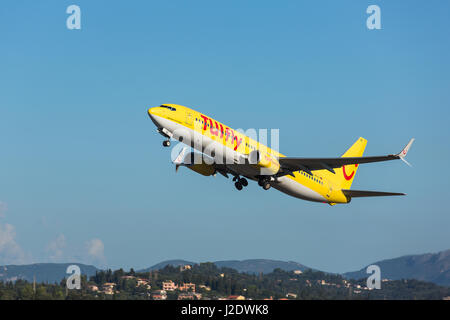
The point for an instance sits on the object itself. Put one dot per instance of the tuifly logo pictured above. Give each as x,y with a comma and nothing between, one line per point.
349,177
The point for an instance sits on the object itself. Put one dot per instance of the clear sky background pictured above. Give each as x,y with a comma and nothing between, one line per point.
83,175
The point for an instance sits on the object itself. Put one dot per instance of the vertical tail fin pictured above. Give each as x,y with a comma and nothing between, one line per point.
346,174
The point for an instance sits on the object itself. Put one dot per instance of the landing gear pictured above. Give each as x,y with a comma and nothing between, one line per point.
264,183
240,182
166,143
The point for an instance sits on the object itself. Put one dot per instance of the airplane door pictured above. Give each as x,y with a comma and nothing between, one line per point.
189,118
330,191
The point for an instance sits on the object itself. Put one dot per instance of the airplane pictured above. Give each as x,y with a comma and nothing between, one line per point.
220,149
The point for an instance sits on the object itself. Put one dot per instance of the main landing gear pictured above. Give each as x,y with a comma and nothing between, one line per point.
240,182
264,183
166,143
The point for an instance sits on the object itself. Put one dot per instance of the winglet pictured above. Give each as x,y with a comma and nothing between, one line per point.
404,152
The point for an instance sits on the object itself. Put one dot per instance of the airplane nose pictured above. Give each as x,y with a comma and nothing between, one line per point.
151,113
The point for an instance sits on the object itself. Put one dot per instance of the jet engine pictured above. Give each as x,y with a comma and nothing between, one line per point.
268,164
197,163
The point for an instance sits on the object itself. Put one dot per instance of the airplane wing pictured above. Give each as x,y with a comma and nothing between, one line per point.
363,193
310,164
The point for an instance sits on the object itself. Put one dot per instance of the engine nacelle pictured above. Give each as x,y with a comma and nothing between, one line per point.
195,162
267,163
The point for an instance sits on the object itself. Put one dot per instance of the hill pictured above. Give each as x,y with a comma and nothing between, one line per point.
254,266
430,267
260,265
44,272
161,265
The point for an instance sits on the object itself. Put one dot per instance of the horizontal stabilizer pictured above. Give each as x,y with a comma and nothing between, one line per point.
363,193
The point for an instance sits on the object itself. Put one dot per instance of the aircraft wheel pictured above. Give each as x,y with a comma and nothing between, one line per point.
260,182
243,181
238,185
166,143
266,185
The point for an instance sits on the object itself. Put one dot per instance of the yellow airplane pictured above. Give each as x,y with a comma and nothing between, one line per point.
226,151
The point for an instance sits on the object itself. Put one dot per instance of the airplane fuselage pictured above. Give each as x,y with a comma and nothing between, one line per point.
202,133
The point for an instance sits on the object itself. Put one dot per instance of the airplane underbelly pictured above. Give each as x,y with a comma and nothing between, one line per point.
295,189
247,171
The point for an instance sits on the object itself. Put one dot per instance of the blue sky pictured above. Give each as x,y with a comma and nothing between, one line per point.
83,175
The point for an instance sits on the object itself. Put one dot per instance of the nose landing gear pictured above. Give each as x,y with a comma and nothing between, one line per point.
166,143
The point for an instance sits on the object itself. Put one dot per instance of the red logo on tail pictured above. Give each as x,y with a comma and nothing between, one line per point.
349,177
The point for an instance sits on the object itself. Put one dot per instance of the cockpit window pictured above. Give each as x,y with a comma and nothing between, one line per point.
167,107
